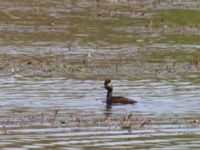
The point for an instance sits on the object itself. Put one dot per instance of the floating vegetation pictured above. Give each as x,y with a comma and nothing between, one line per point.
16,122
72,121
153,64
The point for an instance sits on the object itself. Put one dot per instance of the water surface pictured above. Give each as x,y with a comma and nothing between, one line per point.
54,56
42,114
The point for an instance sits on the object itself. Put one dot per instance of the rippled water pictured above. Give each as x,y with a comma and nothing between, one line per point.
172,106
123,40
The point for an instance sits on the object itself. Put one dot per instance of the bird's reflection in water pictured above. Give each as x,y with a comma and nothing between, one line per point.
108,111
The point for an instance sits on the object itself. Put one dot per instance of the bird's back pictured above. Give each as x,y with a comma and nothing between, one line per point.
121,100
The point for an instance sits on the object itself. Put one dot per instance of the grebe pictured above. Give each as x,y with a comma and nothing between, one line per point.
115,99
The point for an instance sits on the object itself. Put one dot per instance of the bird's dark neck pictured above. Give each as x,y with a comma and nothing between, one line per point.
109,94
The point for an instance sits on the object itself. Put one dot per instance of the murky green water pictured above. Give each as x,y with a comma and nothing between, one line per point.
55,56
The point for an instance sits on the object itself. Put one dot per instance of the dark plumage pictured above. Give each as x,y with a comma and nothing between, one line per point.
115,99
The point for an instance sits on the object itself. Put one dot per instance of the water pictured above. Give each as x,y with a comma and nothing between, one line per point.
54,56
41,114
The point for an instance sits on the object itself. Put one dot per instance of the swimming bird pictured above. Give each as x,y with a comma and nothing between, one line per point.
115,99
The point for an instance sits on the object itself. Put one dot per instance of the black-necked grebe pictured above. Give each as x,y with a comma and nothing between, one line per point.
115,99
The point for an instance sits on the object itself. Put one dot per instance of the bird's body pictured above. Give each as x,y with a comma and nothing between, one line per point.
115,99
120,100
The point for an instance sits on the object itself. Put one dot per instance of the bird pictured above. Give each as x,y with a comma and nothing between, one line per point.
115,99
